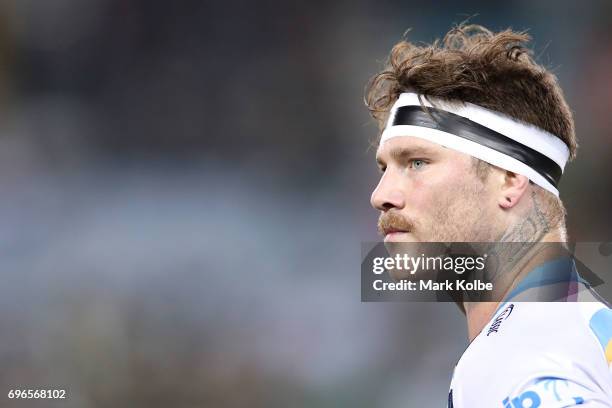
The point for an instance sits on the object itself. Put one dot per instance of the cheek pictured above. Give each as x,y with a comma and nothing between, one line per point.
419,194
438,192
432,188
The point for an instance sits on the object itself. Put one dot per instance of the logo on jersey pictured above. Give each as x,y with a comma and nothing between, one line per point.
500,318
550,390
529,399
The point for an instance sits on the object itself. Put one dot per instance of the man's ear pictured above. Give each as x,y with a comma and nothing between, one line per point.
513,188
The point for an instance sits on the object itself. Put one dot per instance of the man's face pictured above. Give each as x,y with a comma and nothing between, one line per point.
429,193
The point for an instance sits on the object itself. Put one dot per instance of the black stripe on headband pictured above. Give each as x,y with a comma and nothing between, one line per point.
470,130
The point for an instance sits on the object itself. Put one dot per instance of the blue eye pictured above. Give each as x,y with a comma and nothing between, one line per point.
417,164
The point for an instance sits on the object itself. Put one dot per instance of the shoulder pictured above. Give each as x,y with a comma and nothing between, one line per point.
600,323
570,326
559,334
538,350
562,330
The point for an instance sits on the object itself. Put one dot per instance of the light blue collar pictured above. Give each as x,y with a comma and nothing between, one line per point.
551,272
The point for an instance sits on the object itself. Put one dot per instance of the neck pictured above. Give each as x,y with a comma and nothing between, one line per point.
478,314
531,230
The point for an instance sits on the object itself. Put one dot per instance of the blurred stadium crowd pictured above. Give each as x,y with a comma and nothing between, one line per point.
185,187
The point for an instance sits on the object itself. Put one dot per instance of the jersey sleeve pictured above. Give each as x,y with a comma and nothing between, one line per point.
557,392
586,385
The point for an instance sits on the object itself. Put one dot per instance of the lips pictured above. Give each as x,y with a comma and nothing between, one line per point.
392,230
394,234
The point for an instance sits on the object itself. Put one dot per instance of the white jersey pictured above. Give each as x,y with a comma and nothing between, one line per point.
538,355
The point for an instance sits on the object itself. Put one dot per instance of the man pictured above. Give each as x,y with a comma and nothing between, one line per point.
475,137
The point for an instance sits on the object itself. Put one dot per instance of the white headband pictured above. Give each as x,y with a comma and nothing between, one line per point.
507,143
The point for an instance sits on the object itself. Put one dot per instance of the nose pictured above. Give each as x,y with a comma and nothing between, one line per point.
387,194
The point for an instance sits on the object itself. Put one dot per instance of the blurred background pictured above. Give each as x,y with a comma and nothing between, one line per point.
185,186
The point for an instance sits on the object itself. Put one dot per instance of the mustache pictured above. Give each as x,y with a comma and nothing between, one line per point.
390,221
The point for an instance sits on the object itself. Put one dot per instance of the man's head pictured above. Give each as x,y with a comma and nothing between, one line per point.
438,193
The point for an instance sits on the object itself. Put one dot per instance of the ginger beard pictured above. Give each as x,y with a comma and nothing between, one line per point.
457,215
452,204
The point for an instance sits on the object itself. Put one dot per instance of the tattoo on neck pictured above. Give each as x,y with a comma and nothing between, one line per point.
532,228
520,241
542,220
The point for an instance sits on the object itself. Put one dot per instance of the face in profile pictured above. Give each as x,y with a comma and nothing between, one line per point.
429,193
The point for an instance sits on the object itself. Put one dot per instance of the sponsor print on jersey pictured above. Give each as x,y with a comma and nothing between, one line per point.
549,389
500,318
528,399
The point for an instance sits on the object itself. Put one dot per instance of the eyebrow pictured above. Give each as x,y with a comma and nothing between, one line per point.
403,154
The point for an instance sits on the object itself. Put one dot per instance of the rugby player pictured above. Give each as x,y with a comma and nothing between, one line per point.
475,135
